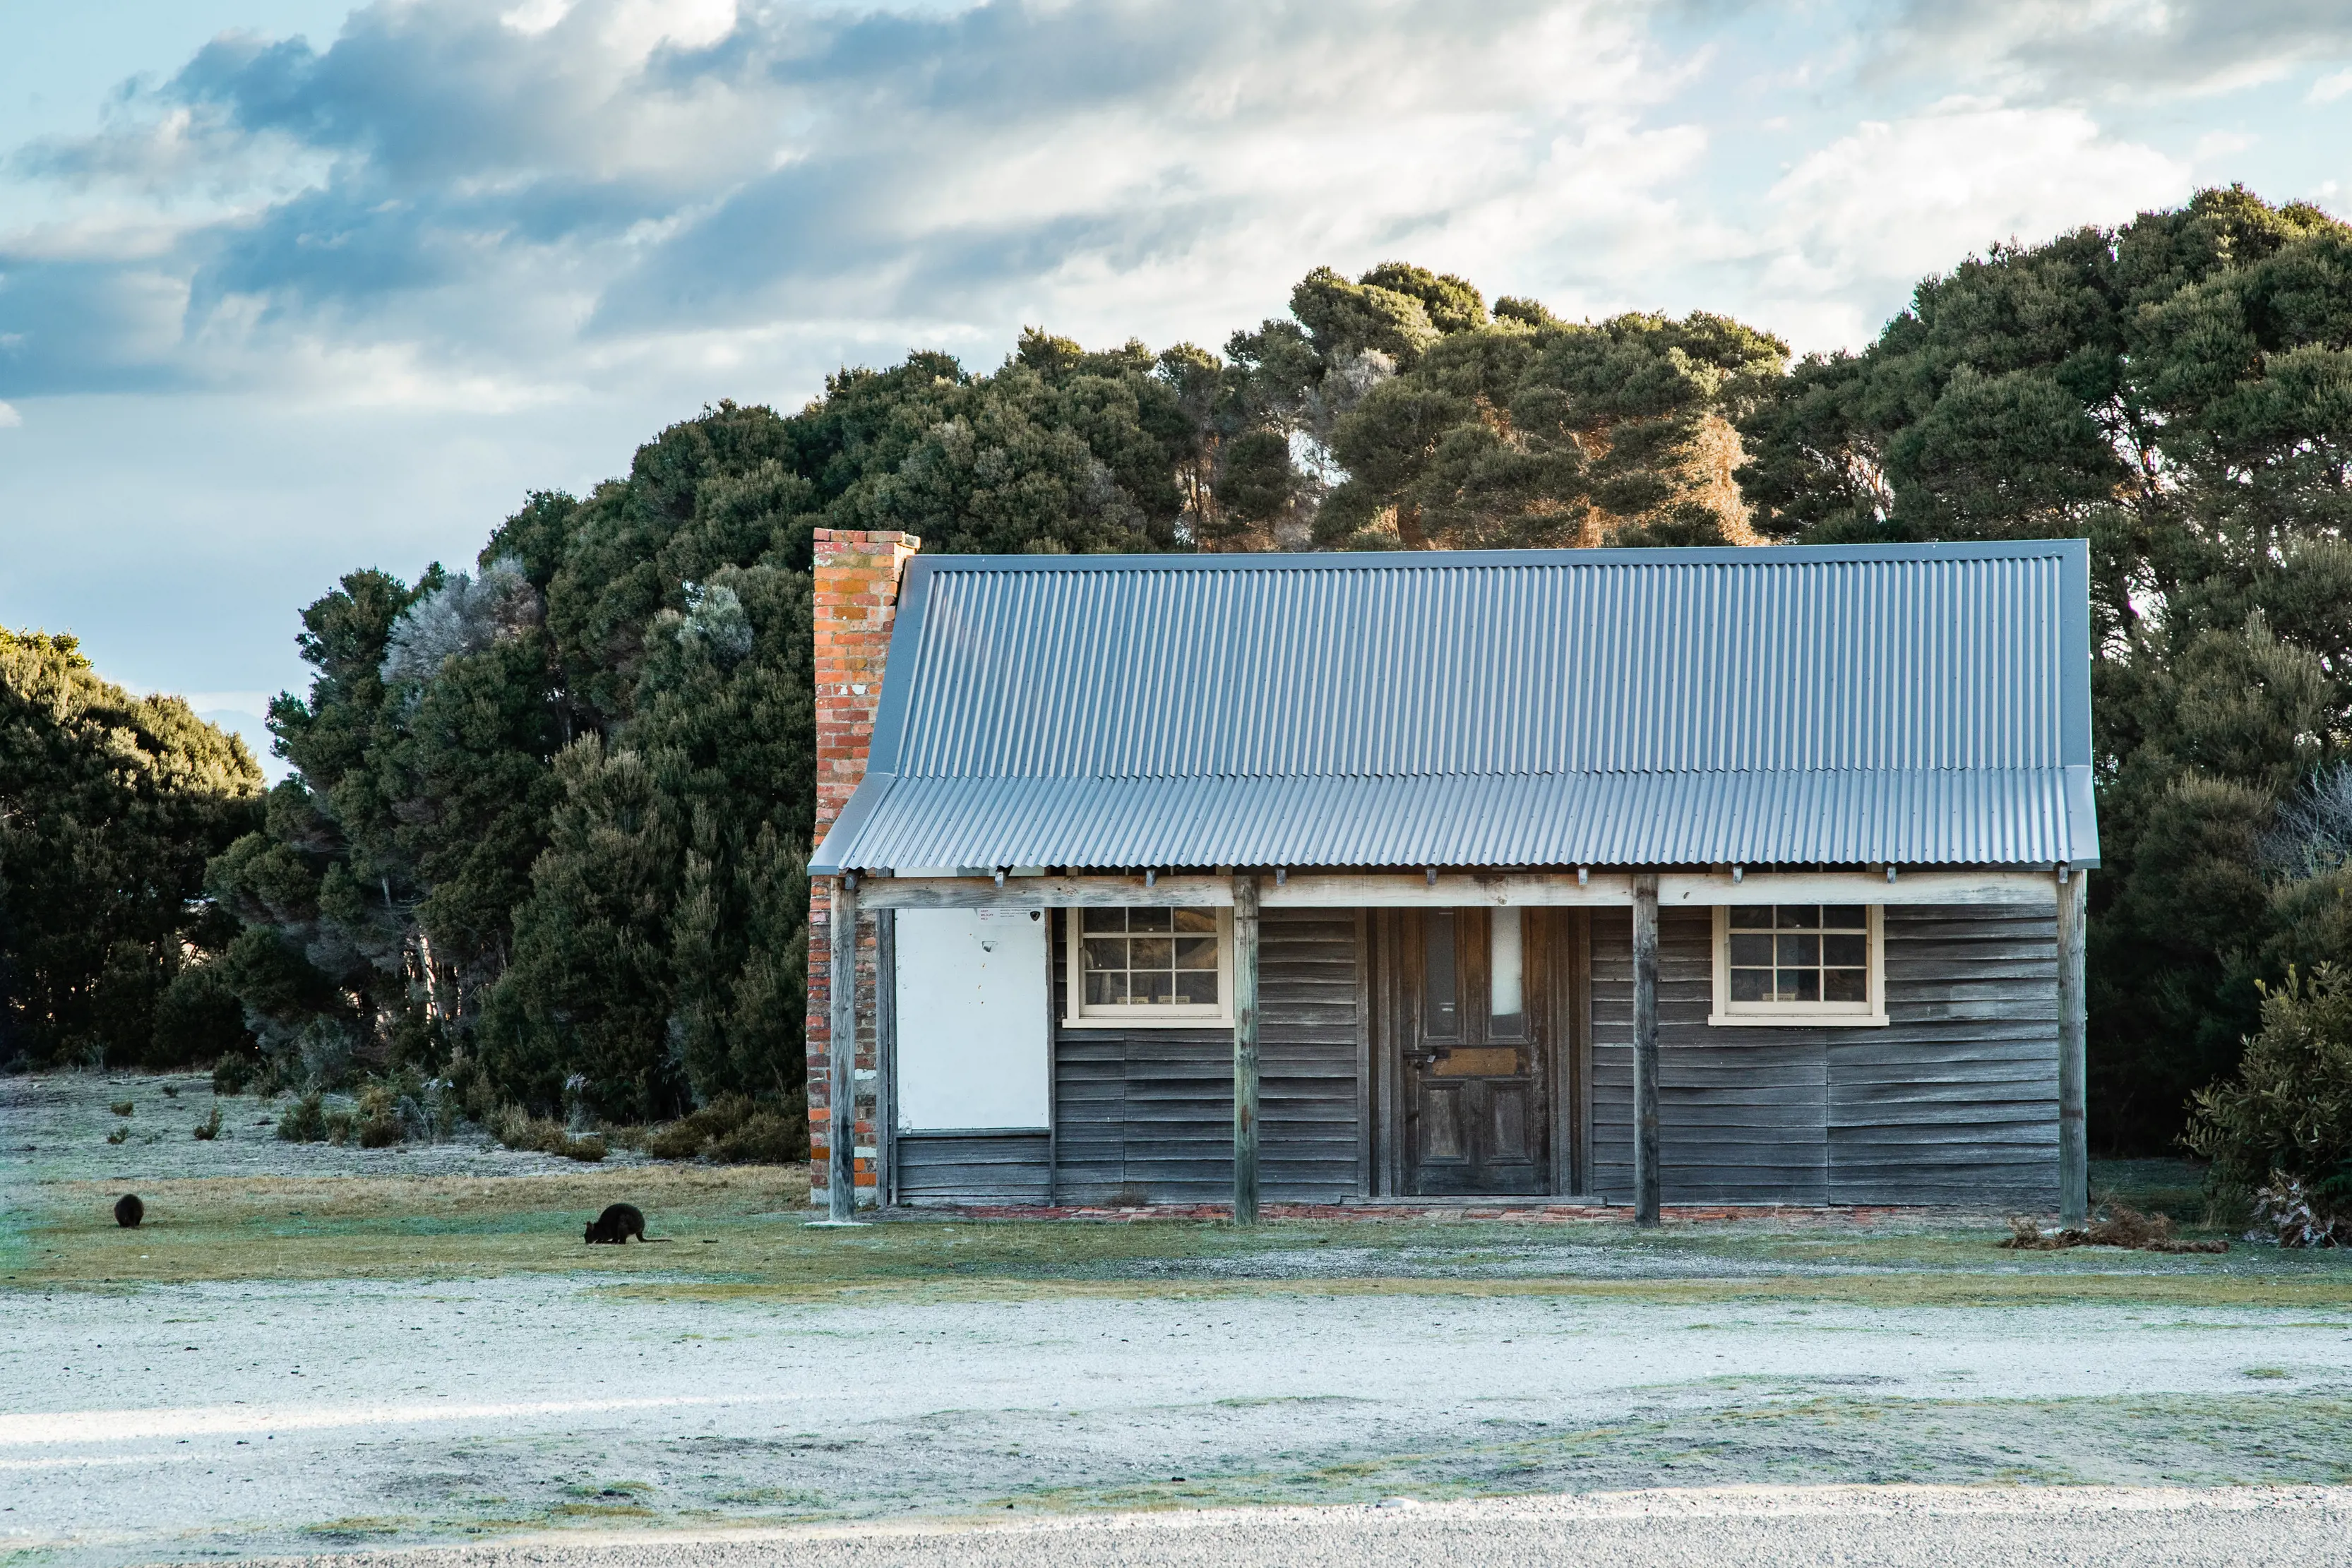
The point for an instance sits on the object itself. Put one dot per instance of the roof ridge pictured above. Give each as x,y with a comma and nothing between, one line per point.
1432,560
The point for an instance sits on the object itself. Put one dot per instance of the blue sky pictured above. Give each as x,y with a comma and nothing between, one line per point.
290,287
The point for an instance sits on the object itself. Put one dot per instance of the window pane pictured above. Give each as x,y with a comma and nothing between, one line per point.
1751,984
1799,986
1798,917
1147,986
1103,920
1196,920
1106,988
1506,968
1845,917
1806,950
1848,950
1751,947
1751,918
1197,987
1150,951
1150,919
1196,953
1437,973
1846,985
1105,952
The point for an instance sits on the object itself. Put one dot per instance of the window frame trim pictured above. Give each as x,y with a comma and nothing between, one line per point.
1144,1015
1727,1014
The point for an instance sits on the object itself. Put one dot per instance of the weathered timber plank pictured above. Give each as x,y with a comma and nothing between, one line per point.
998,1166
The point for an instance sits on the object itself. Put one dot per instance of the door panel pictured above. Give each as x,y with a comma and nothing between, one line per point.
1441,1141
1470,1054
1508,1140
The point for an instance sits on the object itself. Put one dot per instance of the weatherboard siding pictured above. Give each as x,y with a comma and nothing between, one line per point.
1954,1101
972,1167
1146,1115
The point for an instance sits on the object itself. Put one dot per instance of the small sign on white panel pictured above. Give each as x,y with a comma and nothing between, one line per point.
972,1048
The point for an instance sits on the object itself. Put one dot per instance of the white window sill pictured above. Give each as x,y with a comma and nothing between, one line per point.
1796,1020
1151,1020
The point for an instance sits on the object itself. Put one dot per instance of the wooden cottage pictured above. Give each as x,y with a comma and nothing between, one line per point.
1724,876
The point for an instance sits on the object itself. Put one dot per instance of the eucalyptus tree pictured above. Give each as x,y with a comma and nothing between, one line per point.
109,805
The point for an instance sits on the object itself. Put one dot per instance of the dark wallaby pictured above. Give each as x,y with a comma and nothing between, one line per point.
617,1224
129,1211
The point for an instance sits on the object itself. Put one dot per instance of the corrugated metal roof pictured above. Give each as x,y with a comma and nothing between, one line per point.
1916,705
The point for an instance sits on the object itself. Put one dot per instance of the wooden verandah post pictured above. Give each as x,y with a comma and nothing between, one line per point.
1646,1048
1246,926
2073,1010
841,1053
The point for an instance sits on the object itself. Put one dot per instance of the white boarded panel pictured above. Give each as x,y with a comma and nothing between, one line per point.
972,1019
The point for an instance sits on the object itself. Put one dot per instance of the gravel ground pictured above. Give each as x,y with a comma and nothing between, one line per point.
243,1418
1757,1528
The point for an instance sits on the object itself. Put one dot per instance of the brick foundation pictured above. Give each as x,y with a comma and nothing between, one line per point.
857,602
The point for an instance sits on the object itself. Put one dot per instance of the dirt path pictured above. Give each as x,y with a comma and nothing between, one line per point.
1930,1527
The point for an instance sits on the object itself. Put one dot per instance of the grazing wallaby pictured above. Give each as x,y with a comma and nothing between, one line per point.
129,1211
617,1224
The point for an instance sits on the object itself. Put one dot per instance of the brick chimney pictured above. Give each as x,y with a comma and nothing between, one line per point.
857,602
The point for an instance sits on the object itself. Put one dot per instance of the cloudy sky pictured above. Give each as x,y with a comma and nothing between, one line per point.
289,288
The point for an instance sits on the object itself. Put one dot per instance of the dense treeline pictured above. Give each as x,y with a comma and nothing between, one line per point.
109,805
550,824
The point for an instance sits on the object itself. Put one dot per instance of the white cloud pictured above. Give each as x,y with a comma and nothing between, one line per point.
2330,88
2221,144
1898,200
2130,49
9,417
489,211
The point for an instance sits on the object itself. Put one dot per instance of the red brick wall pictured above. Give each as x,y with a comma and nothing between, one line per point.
857,578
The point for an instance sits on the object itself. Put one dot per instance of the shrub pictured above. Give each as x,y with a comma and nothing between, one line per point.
735,1129
305,1121
680,1140
197,1019
2297,1221
519,1129
2286,1117
378,1125
121,1107
766,1137
236,1072
208,1129
120,1135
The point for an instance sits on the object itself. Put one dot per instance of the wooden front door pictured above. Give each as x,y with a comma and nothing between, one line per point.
1473,1060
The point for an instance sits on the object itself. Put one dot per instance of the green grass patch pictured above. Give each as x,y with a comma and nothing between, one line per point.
742,1235
358,1528
2211,1442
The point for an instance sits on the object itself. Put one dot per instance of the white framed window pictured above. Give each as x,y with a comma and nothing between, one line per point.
1157,967
1818,963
